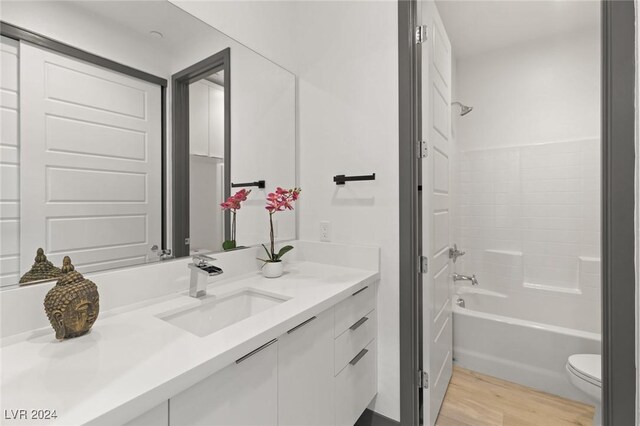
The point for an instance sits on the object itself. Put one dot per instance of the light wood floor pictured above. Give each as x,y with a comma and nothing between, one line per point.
474,399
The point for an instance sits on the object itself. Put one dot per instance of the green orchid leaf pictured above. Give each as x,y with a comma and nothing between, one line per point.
284,250
267,250
228,245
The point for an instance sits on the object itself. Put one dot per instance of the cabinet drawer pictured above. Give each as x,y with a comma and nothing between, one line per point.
355,307
352,341
356,385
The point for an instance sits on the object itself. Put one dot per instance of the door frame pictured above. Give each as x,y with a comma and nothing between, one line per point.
409,71
618,212
180,143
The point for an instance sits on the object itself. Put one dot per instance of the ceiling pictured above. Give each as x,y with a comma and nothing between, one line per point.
476,26
141,17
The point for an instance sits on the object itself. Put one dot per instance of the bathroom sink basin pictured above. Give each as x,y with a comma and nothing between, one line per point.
216,313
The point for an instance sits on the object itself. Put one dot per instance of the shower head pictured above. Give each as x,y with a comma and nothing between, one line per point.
464,109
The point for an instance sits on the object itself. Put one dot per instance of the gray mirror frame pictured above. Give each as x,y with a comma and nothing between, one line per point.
180,144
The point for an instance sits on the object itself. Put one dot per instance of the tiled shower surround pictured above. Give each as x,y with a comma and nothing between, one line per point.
529,219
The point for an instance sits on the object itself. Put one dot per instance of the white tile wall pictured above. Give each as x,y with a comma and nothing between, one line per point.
530,220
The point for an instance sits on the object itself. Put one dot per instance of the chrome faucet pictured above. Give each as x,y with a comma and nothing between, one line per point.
454,253
460,277
163,254
201,270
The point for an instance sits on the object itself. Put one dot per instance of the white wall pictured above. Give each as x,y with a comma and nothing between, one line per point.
348,109
266,26
529,179
536,92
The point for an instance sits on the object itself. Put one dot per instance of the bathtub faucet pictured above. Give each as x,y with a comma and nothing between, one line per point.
460,277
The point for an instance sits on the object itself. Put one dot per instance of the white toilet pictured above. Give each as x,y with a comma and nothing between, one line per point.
585,373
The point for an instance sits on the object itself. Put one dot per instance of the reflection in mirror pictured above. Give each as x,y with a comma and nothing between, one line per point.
206,162
88,165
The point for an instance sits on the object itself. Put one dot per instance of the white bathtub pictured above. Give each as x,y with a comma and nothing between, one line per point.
521,351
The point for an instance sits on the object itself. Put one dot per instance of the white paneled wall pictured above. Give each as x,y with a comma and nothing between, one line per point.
529,220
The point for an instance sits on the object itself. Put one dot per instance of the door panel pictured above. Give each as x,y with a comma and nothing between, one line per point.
9,163
436,238
71,135
91,154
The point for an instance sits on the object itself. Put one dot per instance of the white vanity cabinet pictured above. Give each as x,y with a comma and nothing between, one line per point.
305,373
244,393
355,355
322,371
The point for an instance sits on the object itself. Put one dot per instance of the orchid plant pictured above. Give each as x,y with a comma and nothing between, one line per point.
279,201
233,204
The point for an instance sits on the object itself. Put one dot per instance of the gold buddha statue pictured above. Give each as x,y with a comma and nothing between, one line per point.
73,304
41,270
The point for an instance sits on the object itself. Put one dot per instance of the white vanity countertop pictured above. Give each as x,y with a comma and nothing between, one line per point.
132,360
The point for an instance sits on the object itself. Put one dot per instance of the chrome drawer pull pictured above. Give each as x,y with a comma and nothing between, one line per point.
358,357
359,323
302,324
361,290
255,351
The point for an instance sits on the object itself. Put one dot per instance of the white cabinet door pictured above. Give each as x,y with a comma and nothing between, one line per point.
216,121
356,386
90,162
305,373
244,393
199,119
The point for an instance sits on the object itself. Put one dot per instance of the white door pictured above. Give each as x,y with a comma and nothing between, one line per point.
9,164
436,301
91,162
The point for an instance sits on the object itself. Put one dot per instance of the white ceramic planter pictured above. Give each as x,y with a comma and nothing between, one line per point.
272,269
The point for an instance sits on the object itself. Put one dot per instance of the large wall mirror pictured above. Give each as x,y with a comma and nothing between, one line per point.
101,161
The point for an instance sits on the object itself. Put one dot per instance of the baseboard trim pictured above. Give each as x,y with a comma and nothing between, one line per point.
371,418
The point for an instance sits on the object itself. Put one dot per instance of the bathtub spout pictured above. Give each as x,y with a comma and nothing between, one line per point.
460,277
